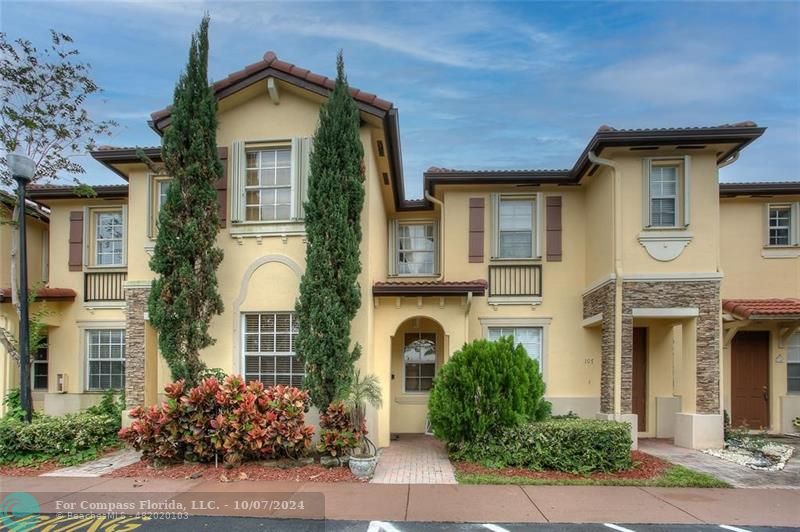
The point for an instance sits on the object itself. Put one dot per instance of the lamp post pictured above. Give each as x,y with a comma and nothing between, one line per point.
22,169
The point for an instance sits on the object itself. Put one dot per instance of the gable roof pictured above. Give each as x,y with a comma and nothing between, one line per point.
271,66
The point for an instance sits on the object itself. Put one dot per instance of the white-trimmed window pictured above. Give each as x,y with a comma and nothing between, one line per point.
529,337
105,359
39,368
108,237
666,187
268,184
419,362
516,227
793,364
269,348
162,187
416,248
782,224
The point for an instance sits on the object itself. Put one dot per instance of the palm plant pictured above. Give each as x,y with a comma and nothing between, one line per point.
359,393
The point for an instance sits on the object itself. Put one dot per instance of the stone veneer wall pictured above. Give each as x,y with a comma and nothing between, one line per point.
135,307
705,296
602,300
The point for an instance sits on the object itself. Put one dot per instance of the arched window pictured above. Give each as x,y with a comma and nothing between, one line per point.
419,362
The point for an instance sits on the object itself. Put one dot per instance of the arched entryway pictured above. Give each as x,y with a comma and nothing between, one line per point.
418,352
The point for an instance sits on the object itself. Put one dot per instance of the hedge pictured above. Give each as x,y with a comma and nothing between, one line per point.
571,445
70,438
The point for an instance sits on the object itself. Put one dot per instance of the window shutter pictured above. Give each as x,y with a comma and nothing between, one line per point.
494,217
221,185
476,229
794,234
645,192
687,188
553,222
238,165
301,156
392,239
75,241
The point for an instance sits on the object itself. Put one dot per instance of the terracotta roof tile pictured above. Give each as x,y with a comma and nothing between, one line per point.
45,293
755,308
270,60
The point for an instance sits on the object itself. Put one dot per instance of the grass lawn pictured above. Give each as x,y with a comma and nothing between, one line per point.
674,477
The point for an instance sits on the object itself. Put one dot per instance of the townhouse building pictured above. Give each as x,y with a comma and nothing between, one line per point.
646,290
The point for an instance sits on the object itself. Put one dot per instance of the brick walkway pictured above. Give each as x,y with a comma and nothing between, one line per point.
414,459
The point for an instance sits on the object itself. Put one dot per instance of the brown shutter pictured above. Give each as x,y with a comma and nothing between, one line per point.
476,208
75,241
222,187
554,228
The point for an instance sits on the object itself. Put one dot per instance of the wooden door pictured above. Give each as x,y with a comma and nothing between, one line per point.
639,390
750,379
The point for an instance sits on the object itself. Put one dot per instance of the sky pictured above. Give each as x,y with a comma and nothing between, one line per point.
478,85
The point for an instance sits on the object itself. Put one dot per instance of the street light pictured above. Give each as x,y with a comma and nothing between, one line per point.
22,168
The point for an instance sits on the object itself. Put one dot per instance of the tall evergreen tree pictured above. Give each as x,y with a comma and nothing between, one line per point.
184,297
329,291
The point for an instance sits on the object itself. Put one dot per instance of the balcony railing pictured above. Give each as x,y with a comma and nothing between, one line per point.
515,280
104,286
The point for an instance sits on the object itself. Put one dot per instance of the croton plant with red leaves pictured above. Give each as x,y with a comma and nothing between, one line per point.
231,420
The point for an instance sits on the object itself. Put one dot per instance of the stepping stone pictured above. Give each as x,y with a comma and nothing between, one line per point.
99,467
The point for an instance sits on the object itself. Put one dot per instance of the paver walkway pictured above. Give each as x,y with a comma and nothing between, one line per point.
414,459
734,474
404,502
99,467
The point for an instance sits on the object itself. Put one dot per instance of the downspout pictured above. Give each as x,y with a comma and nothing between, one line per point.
616,239
730,160
440,247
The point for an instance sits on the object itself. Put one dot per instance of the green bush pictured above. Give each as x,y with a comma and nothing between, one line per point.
574,446
69,439
485,387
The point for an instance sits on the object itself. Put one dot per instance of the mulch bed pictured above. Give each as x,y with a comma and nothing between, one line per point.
245,472
28,471
646,467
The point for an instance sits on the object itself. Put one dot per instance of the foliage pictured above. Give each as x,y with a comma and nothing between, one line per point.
796,422
338,435
231,420
70,439
184,297
486,387
358,393
44,95
568,415
13,403
574,446
112,405
329,291
674,477
217,373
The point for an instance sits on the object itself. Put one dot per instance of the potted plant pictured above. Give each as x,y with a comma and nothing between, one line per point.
360,392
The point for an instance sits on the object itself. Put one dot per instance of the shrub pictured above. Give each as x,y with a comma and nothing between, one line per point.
13,404
70,439
230,420
575,446
337,435
112,404
483,388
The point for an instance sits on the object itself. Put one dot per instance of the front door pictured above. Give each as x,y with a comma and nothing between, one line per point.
639,391
750,379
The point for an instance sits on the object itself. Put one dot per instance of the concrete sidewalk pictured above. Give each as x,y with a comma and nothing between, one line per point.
414,502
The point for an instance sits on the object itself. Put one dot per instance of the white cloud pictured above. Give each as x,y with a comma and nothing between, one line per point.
681,78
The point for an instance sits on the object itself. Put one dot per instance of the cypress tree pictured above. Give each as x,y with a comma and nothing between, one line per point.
184,296
329,291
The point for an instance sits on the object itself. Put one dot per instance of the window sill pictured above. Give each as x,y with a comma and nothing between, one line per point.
665,244
90,305
107,268
261,229
780,252
411,398
515,300
412,276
